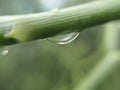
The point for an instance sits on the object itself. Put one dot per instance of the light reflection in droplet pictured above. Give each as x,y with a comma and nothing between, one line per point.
64,39
4,51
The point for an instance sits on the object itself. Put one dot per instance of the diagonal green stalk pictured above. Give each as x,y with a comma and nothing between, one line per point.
74,19
104,69
110,63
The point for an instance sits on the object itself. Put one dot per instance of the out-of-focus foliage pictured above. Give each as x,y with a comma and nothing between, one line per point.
19,7
43,65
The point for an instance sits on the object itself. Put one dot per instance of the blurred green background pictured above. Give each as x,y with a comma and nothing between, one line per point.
43,65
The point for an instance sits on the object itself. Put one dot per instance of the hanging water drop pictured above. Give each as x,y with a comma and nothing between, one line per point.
4,51
5,29
64,39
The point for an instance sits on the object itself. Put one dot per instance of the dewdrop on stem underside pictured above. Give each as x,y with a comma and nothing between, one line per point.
4,51
64,39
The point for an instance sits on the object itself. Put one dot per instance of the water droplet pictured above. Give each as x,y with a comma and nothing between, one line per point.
5,29
64,39
4,51
55,11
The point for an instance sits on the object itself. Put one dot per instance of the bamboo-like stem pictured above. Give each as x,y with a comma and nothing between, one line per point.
74,19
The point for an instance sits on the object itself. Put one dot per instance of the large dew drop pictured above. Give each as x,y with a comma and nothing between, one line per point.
4,51
64,39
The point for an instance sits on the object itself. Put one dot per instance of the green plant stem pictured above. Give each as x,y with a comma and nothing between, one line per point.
74,19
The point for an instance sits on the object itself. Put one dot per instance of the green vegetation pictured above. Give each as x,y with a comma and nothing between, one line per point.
75,19
91,62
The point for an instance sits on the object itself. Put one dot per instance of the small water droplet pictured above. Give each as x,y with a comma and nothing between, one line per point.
64,39
55,11
5,29
4,51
